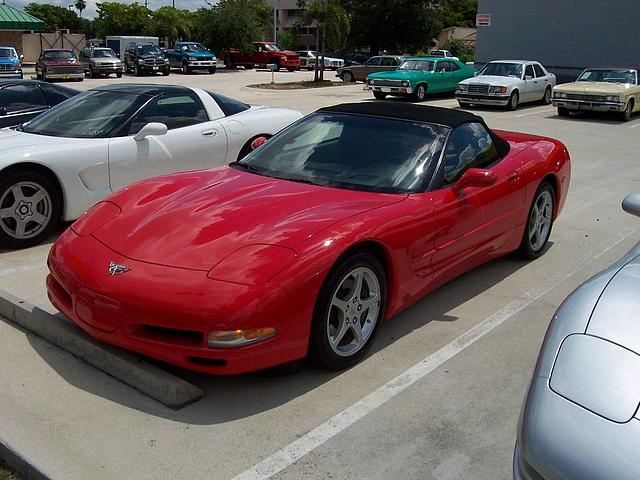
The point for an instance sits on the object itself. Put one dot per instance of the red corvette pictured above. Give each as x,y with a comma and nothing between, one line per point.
302,248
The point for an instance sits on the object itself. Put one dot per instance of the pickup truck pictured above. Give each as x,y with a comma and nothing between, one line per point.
191,56
264,53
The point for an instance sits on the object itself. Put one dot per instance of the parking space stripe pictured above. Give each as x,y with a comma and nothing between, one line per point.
547,110
291,453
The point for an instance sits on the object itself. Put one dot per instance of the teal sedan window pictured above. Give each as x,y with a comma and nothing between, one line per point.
422,65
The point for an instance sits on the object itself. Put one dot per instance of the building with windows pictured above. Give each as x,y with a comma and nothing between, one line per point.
564,35
288,13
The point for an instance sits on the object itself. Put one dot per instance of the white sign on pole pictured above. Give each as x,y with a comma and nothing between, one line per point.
483,20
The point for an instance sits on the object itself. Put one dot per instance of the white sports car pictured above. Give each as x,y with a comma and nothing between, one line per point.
507,83
59,164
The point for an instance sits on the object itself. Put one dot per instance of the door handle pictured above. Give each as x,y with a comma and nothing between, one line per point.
209,133
513,176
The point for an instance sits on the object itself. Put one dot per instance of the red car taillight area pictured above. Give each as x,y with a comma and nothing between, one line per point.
253,264
97,216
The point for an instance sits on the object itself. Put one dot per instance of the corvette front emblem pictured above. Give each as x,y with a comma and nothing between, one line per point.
117,269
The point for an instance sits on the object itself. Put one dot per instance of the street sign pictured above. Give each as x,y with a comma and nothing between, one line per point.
483,20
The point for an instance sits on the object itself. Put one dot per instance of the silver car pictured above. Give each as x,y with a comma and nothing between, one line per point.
580,419
100,61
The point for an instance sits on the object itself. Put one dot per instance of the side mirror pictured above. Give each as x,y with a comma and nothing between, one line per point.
21,57
149,129
258,142
475,74
3,110
475,177
631,204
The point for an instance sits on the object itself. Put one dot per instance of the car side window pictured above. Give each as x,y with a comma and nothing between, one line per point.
175,111
528,71
470,145
388,62
373,61
452,66
539,71
22,98
54,96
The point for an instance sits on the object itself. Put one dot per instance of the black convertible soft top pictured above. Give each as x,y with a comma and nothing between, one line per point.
418,113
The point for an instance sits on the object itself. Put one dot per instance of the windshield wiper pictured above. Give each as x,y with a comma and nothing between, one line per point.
246,166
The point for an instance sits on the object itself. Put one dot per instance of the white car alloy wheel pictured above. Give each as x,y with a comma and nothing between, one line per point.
28,209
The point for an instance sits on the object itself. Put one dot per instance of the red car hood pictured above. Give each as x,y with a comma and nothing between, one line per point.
194,220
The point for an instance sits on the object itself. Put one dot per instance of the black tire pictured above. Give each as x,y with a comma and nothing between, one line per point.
379,95
91,73
119,75
136,70
49,207
347,77
514,101
44,75
212,70
563,112
420,93
185,68
546,99
464,105
166,72
291,69
228,62
38,76
528,250
320,350
625,115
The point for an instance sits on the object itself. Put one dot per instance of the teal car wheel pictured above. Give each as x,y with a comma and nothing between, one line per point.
420,93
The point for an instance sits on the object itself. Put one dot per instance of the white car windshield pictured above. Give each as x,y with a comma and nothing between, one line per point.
93,114
103,53
496,69
424,65
608,75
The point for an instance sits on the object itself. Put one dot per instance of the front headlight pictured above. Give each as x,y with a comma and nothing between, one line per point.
613,98
497,89
463,87
559,95
405,83
370,81
140,61
191,59
252,264
166,60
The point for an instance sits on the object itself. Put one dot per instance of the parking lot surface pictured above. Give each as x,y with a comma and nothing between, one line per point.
437,398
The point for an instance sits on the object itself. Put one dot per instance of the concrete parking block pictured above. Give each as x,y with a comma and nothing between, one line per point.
158,384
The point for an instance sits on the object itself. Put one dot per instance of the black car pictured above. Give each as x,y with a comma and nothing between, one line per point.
142,58
22,100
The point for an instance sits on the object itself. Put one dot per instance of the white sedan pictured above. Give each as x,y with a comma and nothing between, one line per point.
308,59
59,164
507,83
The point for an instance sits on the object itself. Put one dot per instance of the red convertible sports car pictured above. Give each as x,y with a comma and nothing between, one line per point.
302,248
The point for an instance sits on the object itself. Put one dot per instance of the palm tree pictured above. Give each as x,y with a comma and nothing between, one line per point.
332,27
80,6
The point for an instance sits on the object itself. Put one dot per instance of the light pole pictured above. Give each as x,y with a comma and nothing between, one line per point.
275,21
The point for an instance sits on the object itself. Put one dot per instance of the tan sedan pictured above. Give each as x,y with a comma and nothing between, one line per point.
358,73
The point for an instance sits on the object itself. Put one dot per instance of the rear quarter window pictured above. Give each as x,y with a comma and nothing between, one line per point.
229,106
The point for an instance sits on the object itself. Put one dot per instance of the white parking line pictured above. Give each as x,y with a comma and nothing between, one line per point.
636,125
5,272
291,453
536,112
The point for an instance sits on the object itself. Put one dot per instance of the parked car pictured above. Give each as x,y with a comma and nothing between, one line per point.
22,100
309,58
580,419
141,58
443,54
358,73
100,61
304,247
59,64
418,76
191,56
507,83
57,165
10,62
264,53
600,90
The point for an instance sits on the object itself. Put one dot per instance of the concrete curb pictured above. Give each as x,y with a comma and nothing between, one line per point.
20,464
158,384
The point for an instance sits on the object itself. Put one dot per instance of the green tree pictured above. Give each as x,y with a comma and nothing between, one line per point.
458,13
460,49
172,24
80,6
289,38
116,18
54,17
233,23
332,24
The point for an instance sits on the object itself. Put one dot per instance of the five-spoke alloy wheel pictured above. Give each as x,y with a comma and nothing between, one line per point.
29,209
348,312
539,223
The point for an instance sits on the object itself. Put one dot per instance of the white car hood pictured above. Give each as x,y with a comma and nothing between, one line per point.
492,80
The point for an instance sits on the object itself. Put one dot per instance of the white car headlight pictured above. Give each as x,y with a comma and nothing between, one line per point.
463,87
497,89
140,61
613,98
559,95
405,83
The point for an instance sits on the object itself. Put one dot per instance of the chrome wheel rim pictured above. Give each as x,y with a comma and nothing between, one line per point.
540,220
421,92
353,312
25,210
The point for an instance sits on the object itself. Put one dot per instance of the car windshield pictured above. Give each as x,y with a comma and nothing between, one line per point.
59,55
424,65
502,70
8,53
148,49
347,151
195,47
103,53
608,75
273,47
93,114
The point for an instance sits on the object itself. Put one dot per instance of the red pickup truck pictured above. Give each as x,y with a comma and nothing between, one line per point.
264,53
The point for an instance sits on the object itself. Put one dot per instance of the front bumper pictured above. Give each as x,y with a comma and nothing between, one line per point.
202,63
108,68
11,74
391,90
483,99
64,76
594,106
153,68
285,63
166,313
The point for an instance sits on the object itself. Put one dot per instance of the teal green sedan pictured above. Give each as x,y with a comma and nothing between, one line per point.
418,76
